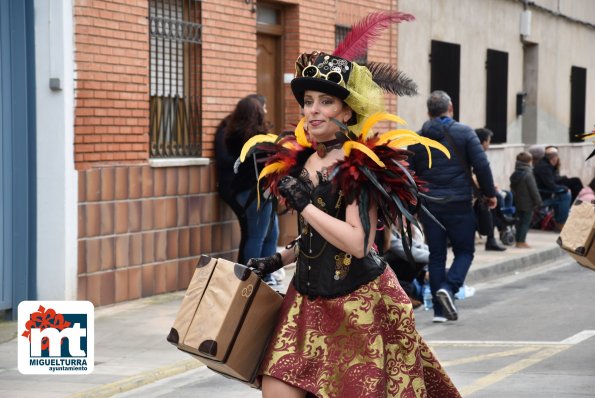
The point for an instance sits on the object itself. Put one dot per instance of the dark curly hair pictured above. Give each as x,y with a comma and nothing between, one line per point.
246,121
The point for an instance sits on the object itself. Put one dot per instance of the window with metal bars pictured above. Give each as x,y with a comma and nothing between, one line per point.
175,78
340,33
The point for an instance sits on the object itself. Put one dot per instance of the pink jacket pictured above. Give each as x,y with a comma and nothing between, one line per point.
586,195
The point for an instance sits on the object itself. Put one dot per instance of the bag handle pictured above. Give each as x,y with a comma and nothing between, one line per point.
476,188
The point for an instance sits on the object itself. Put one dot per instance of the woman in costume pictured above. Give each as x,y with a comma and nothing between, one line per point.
346,328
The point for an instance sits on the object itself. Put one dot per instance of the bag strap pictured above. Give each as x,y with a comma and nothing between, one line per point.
465,165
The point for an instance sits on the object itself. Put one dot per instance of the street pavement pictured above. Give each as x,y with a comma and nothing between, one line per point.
524,335
131,351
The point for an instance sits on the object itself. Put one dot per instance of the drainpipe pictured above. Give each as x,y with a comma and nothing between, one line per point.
525,22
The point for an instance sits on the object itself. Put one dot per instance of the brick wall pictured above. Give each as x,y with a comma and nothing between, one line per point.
111,87
229,61
141,229
112,54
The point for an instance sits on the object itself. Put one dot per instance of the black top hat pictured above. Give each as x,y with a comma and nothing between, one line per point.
325,73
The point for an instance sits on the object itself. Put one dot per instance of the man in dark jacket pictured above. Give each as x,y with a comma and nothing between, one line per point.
555,195
449,179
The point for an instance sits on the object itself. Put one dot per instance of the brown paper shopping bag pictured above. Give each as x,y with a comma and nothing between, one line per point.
577,237
226,318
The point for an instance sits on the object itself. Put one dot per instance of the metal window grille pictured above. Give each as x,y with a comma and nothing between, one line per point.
175,78
340,33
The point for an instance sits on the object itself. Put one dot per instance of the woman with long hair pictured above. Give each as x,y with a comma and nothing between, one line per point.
237,185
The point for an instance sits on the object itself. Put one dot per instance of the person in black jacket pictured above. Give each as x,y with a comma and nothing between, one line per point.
450,180
259,227
553,194
573,183
485,139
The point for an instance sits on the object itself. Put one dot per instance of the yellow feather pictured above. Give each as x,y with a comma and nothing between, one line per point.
435,144
377,117
271,168
428,143
349,145
257,139
402,142
414,139
394,134
300,134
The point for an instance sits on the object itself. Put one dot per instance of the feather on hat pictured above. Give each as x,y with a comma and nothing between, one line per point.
360,86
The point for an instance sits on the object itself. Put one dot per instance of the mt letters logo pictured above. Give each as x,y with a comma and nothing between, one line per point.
56,337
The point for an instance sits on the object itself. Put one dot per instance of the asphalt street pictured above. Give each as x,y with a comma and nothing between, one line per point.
525,335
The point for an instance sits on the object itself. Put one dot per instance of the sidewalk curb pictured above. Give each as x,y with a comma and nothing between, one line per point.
521,263
138,380
487,272
8,331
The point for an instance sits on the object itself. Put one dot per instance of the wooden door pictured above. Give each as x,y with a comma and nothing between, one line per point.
270,84
268,60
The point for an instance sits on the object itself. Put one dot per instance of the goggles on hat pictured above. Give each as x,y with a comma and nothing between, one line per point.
332,76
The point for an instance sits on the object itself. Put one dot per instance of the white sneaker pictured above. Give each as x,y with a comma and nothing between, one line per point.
439,319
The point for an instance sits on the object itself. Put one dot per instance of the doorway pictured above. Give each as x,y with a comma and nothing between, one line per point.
269,63
497,94
578,95
446,71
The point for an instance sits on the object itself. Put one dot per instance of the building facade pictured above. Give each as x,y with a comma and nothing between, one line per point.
125,101
524,69
109,110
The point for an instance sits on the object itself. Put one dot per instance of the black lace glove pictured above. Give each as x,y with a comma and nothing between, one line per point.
295,192
265,265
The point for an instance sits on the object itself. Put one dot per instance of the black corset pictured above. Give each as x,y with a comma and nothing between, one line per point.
322,270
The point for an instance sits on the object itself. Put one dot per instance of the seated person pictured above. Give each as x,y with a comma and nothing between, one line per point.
485,139
537,152
553,194
573,183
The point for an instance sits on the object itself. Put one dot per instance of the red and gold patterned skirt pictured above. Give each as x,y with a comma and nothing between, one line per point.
360,345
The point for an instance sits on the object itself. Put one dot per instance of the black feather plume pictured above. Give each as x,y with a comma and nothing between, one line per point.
392,80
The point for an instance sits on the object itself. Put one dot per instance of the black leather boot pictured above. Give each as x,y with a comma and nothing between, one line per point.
493,245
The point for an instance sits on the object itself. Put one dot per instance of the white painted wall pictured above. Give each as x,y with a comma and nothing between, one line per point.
476,29
56,176
480,25
495,24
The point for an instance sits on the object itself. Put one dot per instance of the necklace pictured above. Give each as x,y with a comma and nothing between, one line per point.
322,148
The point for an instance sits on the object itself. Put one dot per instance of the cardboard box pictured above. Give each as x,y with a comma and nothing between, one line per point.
577,237
226,318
